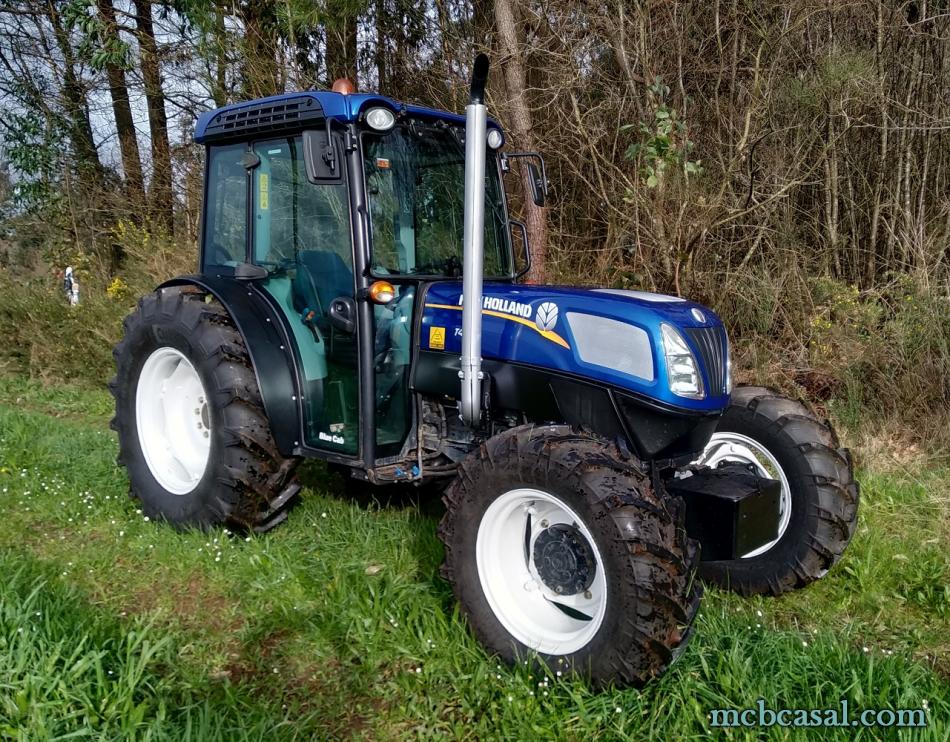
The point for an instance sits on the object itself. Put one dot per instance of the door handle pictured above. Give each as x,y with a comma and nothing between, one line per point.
343,314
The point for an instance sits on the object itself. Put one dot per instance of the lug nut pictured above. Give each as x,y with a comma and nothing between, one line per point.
587,595
544,524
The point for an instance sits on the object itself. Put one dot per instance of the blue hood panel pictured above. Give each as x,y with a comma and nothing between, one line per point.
528,324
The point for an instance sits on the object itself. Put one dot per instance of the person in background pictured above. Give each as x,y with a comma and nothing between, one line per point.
71,286
68,283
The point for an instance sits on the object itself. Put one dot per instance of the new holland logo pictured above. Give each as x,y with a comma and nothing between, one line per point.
505,306
546,318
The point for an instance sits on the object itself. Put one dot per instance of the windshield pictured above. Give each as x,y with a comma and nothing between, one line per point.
415,180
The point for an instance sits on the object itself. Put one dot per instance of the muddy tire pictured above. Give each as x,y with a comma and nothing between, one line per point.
819,504
193,435
558,548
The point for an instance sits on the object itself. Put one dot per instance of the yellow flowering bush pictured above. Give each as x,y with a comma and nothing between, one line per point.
118,290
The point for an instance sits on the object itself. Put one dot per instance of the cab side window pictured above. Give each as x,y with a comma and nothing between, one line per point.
291,216
225,224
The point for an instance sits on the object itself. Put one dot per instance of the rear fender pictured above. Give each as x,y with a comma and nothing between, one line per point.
271,354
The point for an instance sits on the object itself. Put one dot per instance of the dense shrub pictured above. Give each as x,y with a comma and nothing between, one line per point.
46,338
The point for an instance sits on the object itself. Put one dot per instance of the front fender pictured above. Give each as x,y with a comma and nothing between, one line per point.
270,352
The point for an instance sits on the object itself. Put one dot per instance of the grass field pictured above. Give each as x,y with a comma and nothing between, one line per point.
337,625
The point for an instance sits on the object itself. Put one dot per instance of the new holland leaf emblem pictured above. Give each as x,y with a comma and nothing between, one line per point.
546,317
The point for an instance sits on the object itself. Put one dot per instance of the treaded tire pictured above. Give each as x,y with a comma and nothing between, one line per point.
247,484
653,592
824,495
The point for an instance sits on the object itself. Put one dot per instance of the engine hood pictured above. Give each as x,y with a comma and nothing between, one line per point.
611,336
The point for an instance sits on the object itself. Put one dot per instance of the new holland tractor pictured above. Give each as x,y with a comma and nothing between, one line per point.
358,301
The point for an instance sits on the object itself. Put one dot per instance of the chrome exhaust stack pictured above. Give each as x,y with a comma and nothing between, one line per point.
470,371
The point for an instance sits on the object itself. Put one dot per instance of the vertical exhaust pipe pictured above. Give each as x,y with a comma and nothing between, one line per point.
470,371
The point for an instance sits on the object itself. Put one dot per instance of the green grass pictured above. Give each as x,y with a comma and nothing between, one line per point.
337,625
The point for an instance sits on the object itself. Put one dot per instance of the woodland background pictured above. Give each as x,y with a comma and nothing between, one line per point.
787,163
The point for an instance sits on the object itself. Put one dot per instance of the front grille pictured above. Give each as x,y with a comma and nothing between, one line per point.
289,113
713,350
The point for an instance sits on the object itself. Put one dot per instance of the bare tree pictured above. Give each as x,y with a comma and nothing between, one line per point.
121,107
160,190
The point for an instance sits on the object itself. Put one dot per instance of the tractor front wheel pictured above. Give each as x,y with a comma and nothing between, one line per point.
818,505
193,435
557,544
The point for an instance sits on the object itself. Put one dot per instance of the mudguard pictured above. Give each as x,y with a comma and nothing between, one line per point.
271,354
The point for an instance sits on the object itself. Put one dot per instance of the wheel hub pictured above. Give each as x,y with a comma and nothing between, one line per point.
564,559
541,571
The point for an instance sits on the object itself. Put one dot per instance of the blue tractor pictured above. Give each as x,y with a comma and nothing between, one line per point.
358,301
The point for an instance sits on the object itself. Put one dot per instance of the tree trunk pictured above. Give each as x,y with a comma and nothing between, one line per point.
160,194
516,82
87,161
122,110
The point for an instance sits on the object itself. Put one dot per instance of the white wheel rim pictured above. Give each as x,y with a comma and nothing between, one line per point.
173,420
736,447
518,596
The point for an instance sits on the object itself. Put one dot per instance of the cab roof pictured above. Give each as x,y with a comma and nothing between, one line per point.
241,121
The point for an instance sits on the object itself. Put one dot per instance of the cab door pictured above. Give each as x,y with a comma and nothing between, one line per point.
301,233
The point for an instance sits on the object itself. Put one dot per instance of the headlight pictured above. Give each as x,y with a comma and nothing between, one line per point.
381,119
681,368
494,138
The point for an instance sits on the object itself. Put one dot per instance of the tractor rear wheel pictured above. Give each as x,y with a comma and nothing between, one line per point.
557,544
818,506
193,435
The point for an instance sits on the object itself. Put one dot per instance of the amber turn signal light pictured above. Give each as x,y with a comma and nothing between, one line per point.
344,86
382,292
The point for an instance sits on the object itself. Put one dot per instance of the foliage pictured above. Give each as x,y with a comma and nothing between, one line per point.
98,44
31,149
663,142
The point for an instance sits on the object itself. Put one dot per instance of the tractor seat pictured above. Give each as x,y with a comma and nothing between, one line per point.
321,277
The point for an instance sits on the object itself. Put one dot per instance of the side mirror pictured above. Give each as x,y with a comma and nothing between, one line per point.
343,314
322,156
536,180
537,174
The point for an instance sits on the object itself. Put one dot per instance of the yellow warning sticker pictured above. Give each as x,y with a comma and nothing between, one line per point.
437,338
263,186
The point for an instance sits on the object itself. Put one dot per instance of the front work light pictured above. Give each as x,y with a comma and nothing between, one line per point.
682,370
381,119
494,138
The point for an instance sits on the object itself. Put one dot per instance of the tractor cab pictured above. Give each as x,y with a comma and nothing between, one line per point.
335,208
